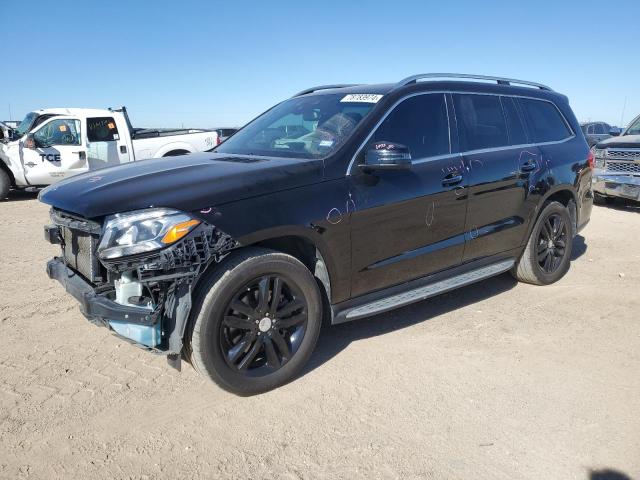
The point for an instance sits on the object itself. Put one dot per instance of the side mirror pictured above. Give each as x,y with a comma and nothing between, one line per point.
387,156
30,142
615,132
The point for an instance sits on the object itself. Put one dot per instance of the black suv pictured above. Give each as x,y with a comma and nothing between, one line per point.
339,203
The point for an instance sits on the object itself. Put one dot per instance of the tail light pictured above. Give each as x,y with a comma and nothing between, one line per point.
591,160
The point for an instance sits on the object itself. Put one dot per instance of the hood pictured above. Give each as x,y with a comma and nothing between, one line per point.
187,183
624,141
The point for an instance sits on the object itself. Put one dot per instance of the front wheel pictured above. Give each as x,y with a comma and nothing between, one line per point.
255,322
547,255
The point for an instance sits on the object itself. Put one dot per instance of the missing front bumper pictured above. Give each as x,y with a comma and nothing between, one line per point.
137,324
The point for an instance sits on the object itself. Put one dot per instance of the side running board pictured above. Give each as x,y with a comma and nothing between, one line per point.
422,293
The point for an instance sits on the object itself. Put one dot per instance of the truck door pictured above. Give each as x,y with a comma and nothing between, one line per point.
57,152
105,146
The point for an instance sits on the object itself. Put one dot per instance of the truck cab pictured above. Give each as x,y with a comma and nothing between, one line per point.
52,144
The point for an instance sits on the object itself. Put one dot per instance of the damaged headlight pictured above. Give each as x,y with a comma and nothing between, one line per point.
143,231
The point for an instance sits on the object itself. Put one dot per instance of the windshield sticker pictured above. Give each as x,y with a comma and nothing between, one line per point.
362,98
326,143
111,126
63,128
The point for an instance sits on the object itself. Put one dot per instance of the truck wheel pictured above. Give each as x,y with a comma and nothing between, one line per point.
255,322
603,199
175,153
547,255
5,184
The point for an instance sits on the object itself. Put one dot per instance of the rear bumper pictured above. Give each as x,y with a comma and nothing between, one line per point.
623,186
97,307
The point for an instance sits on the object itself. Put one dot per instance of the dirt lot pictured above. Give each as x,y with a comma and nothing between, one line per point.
496,381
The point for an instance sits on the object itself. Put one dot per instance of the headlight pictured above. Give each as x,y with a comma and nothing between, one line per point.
143,231
600,157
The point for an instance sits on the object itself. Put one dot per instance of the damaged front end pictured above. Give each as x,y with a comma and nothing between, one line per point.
136,273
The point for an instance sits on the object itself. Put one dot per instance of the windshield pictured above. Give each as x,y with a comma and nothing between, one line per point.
634,128
303,127
27,123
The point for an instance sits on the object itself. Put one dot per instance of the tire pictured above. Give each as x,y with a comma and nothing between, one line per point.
5,184
599,199
223,339
532,267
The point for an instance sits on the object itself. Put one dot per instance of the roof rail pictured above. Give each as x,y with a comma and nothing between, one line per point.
325,87
499,80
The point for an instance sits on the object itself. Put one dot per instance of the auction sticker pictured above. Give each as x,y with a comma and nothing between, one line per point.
362,98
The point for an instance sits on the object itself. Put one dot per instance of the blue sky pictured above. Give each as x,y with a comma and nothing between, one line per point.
206,64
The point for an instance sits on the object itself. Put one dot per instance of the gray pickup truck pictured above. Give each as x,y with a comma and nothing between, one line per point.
617,165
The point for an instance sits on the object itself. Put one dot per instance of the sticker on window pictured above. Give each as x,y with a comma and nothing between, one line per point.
362,98
63,128
111,126
116,136
325,143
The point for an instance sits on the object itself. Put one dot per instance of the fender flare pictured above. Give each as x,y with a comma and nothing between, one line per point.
325,267
174,146
564,187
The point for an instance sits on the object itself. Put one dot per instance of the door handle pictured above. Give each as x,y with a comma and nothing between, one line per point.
81,154
452,179
528,166
123,149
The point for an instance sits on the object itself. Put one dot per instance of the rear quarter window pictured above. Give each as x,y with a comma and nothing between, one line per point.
545,121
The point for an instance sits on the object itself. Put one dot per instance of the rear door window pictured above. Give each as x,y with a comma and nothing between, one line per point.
545,121
481,121
102,129
420,123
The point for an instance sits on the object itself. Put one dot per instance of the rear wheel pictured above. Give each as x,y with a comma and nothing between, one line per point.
5,184
256,322
547,255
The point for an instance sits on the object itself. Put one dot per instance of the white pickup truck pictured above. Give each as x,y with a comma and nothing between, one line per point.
56,143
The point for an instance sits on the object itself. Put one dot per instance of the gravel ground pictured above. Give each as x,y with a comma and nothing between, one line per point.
496,381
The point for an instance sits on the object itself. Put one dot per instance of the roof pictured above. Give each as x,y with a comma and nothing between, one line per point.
74,111
440,81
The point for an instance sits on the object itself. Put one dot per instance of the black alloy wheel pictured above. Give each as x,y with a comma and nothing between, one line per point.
552,243
263,325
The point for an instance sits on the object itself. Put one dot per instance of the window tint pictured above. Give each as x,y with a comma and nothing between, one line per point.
420,123
545,121
102,129
517,133
59,132
481,122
